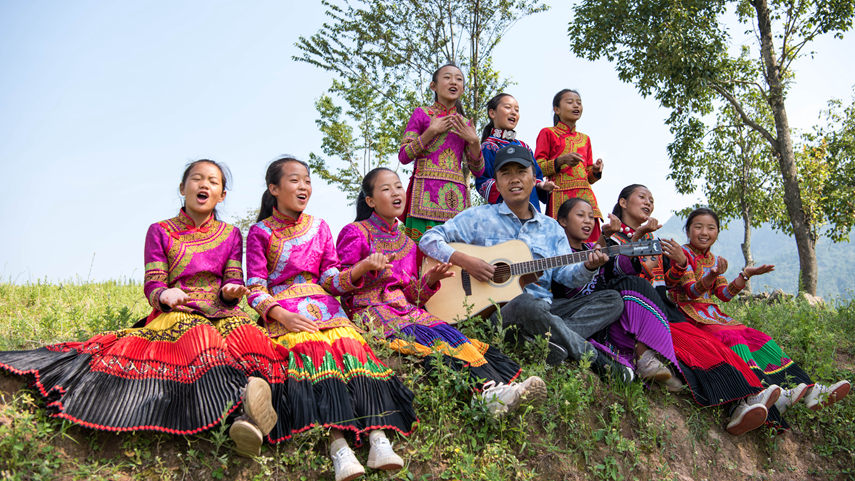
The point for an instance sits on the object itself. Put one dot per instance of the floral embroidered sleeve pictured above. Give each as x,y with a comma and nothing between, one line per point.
259,297
684,280
411,144
156,266
589,163
475,161
351,246
333,280
233,273
543,152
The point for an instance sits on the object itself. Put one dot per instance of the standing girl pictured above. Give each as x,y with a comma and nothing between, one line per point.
194,359
503,112
564,156
714,374
334,378
390,298
437,139
704,278
642,334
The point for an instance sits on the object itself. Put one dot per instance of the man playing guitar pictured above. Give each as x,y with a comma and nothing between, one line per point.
570,324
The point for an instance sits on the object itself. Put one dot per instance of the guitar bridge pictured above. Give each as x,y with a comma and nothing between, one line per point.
467,282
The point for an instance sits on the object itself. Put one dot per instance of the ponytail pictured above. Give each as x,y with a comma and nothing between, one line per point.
363,210
272,177
556,101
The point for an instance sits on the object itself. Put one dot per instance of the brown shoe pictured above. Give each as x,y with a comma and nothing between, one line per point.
247,438
258,406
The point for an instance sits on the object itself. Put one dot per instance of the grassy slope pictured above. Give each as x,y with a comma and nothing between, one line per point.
586,429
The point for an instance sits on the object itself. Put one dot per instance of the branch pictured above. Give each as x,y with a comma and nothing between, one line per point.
738,107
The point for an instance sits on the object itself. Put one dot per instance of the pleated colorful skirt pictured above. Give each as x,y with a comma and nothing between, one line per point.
180,374
481,361
641,321
762,354
335,380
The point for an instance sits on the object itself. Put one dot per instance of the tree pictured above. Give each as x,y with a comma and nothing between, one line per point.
733,165
384,52
679,52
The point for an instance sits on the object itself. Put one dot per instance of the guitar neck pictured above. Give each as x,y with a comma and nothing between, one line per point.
539,265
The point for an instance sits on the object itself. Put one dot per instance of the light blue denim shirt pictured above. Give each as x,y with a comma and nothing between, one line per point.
488,225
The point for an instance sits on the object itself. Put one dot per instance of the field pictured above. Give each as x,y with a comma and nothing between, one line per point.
586,429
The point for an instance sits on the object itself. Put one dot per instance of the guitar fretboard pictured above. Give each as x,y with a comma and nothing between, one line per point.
538,265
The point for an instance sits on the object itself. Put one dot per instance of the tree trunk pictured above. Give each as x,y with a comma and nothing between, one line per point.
783,147
746,245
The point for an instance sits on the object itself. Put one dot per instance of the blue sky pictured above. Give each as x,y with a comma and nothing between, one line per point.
103,103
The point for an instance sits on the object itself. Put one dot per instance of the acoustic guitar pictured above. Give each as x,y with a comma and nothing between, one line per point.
463,296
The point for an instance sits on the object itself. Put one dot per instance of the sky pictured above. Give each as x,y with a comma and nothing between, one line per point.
102,104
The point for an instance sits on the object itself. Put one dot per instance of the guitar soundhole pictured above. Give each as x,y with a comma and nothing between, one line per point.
502,272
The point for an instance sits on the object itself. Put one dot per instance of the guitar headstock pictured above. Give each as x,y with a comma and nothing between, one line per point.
641,248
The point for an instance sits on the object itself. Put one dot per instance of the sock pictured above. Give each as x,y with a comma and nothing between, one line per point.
337,444
373,436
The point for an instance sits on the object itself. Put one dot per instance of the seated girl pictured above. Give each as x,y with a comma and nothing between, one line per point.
693,293
714,374
196,357
391,298
334,378
642,334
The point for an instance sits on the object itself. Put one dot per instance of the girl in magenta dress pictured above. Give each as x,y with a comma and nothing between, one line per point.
334,378
693,292
438,138
391,298
564,155
196,357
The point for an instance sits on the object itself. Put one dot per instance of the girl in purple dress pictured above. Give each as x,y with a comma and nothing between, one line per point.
642,334
334,379
194,359
437,139
390,299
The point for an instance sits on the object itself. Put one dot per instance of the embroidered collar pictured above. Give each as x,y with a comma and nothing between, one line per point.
564,128
285,219
382,225
442,110
698,254
185,221
504,134
626,229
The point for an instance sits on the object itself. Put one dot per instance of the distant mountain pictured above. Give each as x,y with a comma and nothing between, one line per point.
836,261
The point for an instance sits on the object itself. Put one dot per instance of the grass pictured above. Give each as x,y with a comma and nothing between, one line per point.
586,429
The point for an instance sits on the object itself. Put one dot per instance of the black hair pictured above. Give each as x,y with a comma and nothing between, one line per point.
225,173
556,101
273,176
492,104
699,212
568,205
363,211
458,105
624,194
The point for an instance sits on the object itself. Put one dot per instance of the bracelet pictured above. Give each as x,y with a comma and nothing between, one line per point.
744,276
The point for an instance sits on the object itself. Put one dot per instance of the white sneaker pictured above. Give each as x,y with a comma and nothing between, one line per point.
247,438
258,406
503,398
382,456
346,465
650,368
766,397
790,397
821,395
746,417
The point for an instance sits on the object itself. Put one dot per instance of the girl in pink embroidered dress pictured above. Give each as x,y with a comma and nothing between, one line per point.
390,299
334,378
192,362
437,139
